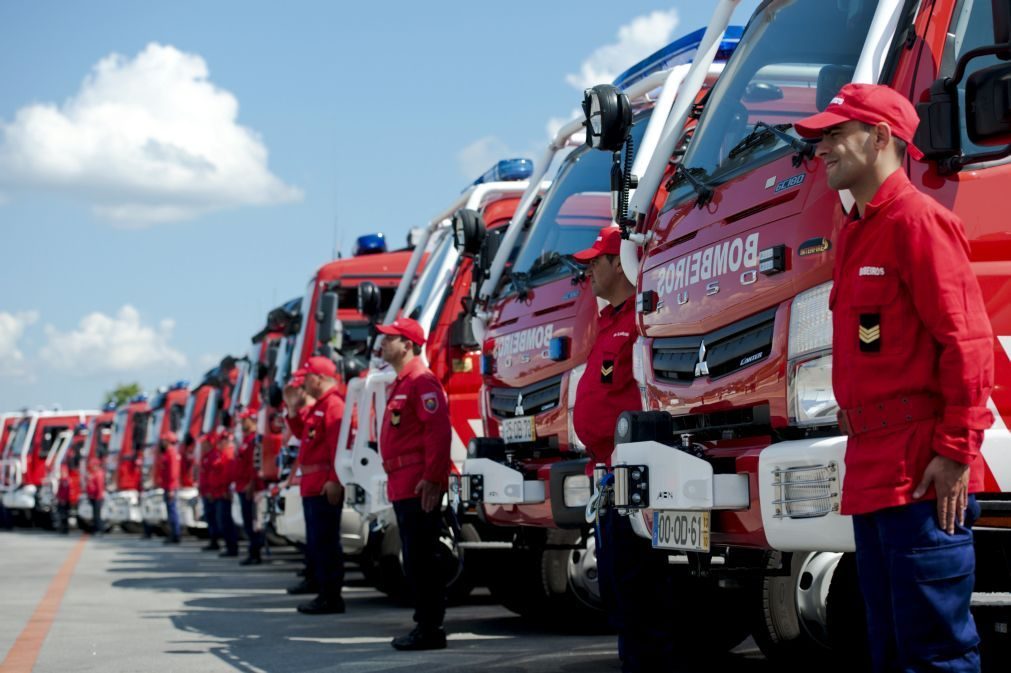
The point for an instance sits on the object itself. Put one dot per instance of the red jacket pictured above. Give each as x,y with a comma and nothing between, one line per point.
607,387
416,435
63,490
217,468
245,471
96,482
169,465
318,429
911,340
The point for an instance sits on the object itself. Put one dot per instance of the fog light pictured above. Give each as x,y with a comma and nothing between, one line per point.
631,486
806,492
576,490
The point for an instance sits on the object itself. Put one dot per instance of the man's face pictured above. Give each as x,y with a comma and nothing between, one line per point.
848,153
248,425
604,274
394,348
314,385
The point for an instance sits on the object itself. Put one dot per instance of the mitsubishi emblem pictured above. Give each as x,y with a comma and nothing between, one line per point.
519,405
701,368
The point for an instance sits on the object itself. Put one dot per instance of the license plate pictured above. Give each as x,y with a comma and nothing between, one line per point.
681,529
518,429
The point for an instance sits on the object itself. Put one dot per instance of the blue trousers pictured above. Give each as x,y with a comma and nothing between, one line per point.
917,583
211,517
173,515
636,586
323,544
256,538
96,514
419,535
226,524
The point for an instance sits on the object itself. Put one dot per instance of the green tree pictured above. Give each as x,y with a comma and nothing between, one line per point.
122,393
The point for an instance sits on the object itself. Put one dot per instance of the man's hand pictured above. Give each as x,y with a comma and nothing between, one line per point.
951,482
431,494
294,398
334,492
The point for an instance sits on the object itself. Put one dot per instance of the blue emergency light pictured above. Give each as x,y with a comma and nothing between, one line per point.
369,244
507,170
678,52
142,397
109,406
180,385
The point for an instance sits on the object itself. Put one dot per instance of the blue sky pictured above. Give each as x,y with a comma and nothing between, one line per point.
146,226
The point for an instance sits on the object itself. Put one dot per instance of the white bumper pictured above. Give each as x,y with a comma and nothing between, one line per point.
290,522
84,511
152,507
123,507
21,498
191,508
484,480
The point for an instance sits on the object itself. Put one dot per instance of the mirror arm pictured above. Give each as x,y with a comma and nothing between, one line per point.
998,50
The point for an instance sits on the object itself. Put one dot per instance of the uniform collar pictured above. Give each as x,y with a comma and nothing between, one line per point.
610,311
328,393
413,366
894,184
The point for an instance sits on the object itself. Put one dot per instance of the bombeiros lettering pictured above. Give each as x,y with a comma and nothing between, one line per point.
534,338
734,256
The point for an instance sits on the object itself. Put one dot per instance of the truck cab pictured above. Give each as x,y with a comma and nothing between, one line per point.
123,464
94,451
66,463
736,464
168,409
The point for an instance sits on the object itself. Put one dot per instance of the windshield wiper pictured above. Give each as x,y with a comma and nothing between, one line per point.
521,282
699,180
577,270
762,133
543,263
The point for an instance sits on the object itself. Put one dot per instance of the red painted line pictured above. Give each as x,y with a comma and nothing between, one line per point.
25,651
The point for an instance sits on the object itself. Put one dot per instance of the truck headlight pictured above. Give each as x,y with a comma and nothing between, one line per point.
810,395
576,490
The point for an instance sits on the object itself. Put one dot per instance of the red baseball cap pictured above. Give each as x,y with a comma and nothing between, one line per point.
319,365
248,413
296,380
871,104
404,327
608,243
169,437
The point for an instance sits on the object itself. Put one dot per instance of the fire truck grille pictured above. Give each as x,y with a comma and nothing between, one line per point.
727,350
536,398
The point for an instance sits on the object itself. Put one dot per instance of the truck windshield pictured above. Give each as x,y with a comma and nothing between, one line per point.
421,296
154,422
118,430
307,317
792,60
188,414
555,231
19,441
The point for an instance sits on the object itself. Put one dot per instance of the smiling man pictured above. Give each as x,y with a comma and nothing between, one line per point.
912,371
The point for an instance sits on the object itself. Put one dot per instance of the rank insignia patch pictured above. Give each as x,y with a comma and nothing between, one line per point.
430,401
394,419
870,332
607,371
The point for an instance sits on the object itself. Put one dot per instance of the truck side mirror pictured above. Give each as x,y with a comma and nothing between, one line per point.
461,333
369,299
937,135
325,317
988,92
608,117
1001,10
489,248
468,231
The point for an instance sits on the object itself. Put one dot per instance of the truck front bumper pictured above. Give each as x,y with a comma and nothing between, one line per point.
123,507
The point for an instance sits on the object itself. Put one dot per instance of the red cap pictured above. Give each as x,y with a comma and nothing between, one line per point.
319,365
871,104
404,327
249,412
169,436
608,243
296,380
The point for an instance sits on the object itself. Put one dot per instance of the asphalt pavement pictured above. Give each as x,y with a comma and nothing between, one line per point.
130,605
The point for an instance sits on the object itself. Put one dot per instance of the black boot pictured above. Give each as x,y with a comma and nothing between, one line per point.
304,587
323,605
212,546
421,639
251,561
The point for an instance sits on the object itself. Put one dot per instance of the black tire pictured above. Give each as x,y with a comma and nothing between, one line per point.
847,618
718,621
775,620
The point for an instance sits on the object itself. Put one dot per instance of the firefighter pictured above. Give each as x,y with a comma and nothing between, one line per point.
415,445
63,500
208,455
168,482
221,479
318,427
635,582
912,372
246,485
298,404
95,489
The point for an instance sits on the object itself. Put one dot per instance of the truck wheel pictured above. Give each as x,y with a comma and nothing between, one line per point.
847,618
776,621
719,621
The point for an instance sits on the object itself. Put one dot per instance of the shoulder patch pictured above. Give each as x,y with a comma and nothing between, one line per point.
430,401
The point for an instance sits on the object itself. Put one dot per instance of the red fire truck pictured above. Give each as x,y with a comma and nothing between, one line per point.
29,457
67,454
736,463
451,351
537,324
96,448
123,464
168,410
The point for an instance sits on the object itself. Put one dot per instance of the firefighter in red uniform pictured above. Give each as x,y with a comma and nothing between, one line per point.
415,445
246,486
95,489
321,490
168,482
912,372
635,583
63,500
298,406
219,486
208,455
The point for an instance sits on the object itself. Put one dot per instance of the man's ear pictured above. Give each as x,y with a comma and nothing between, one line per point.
882,136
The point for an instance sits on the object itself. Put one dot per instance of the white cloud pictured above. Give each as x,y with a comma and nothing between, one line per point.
103,343
635,41
12,328
480,155
144,140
